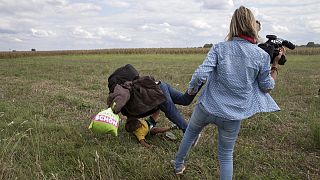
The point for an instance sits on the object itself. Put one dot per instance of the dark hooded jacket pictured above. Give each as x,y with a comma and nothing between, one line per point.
121,75
137,98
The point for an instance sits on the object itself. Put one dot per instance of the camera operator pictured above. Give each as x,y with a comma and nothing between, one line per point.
238,78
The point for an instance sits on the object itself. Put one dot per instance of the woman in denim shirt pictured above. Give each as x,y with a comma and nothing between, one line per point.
238,79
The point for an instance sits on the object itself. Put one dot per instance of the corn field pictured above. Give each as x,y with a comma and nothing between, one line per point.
107,51
15,54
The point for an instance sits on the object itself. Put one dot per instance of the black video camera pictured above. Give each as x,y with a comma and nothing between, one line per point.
272,47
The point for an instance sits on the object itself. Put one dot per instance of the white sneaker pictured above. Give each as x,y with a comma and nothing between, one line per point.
178,171
174,126
170,135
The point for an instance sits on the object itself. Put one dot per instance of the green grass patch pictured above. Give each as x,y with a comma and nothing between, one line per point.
46,103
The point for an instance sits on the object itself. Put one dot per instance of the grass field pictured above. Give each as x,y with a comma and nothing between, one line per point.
46,103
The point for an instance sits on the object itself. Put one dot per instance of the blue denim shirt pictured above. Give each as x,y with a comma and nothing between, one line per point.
237,74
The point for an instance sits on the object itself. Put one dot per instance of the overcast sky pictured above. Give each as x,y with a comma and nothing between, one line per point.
101,24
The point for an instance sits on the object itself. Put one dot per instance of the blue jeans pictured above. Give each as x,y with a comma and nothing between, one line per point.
227,135
169,108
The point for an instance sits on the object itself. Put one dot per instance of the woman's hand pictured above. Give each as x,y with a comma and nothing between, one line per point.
277,58
274,67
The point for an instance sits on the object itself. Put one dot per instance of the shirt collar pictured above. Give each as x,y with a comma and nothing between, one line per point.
250,39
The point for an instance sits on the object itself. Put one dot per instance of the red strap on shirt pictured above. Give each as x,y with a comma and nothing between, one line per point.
250,39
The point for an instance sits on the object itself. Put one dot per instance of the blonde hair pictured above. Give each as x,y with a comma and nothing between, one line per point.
243,22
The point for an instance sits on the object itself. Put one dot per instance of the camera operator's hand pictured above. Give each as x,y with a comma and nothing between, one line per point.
277,58
275,65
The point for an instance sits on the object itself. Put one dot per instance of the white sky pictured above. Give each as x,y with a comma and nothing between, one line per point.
100,24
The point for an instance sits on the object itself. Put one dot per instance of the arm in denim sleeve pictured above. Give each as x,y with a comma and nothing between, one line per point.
202,72
266,82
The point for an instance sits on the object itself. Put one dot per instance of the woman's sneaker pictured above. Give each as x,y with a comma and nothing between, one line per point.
174,126
178,171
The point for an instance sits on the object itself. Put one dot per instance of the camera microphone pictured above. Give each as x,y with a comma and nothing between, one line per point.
288,44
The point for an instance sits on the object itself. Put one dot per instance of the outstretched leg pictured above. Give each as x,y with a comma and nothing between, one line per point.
198,120
172,113
177,97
